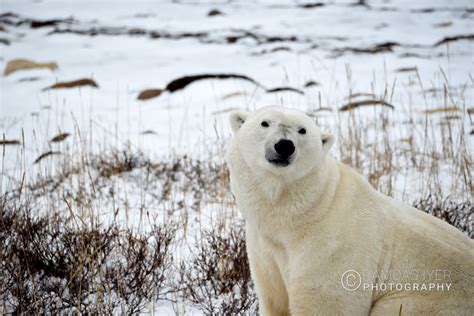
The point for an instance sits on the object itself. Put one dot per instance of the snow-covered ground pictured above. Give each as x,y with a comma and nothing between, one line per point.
129,46
123,65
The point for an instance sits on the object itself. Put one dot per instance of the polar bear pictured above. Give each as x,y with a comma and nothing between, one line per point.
322,241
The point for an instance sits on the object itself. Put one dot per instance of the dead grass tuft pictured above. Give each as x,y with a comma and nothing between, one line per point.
460,215
217,280
49,265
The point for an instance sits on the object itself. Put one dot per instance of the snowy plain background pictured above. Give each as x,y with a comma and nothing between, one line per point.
123,65
290,46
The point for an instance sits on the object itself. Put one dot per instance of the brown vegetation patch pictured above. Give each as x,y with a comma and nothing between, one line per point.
73,84
49,265
457,214
217,281
25,64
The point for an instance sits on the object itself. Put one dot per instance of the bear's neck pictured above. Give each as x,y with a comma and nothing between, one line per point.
269,202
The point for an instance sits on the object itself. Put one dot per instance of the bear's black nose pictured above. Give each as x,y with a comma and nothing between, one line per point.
285,147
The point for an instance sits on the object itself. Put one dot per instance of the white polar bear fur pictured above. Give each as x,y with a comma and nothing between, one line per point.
309,222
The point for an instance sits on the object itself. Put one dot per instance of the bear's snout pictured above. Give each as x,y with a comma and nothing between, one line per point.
285,147
280,154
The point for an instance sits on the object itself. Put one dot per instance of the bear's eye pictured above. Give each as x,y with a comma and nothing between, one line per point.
265,124
302,131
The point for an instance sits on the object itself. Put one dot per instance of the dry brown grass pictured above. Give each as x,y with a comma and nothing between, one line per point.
410,154
115,231
51,266
216,279
67,259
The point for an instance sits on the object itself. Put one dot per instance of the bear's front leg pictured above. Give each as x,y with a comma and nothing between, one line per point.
272,296
271,291
320,292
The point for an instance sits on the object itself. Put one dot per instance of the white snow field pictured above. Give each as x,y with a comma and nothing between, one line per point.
415,56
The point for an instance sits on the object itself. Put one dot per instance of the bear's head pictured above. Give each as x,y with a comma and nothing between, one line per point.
280,142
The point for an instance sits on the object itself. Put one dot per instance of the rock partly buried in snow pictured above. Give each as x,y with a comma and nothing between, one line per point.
182,82
466,37
35,24
25,64
60,137
354,105
311,5
311,83
4,142
149,132
385,47
407,69
149,94
72,26
214,12
73,84
13,19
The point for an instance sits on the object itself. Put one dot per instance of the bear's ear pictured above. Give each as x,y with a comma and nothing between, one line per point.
327,140
237,118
